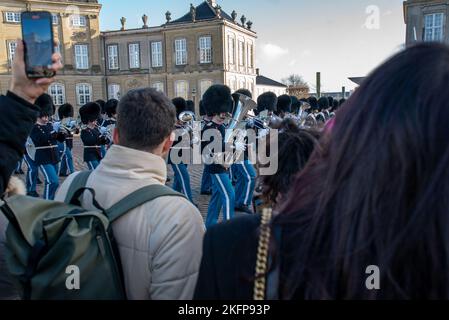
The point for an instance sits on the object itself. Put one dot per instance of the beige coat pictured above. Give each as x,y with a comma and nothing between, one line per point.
160,242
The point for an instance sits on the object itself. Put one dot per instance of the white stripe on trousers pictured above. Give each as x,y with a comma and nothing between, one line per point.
228,207
248,188
90,165
182,180
47,186
30,176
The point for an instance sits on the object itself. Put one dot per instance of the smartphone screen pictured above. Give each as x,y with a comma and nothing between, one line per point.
37,33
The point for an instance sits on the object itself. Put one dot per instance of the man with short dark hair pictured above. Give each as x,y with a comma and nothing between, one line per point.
160,242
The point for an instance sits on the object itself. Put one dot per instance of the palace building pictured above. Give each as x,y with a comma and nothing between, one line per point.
183,57
426,20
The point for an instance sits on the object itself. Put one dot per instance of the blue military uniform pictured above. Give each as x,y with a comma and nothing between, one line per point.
223,195
181,174
47,156
93,141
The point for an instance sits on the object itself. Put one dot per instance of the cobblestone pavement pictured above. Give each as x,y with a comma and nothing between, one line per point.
195,177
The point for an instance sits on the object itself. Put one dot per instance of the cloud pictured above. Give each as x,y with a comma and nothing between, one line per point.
292,63
273,51
306,53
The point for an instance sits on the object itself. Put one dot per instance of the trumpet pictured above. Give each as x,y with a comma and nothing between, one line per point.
70,126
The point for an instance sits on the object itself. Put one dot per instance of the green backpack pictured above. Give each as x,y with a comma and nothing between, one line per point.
60,251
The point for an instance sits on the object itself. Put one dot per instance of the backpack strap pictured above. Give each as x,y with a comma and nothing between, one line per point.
78,182
138,198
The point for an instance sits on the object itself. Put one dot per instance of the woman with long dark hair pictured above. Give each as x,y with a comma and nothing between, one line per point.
295,146
375,195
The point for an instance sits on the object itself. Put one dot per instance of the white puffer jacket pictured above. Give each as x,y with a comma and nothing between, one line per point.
160,242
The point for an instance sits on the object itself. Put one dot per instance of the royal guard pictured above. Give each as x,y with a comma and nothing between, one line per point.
45,137
69,128
218,103
181,173
91,136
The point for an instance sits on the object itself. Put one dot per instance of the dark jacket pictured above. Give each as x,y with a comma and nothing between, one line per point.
92,141
214,168
229,260
44,137
17,120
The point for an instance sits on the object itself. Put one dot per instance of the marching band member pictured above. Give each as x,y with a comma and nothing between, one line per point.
206,180
91,136
111,118
32,170
218,103
244,175
182,178
323,105
284,106
101,122
68,127
45,136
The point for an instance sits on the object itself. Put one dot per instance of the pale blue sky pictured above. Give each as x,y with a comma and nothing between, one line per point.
296,36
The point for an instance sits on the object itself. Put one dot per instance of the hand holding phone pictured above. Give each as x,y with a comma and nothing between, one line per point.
24,87
37,35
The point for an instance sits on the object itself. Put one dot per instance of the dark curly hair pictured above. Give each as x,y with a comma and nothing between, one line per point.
294,149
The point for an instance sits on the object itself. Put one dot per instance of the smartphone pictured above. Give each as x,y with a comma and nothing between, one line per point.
37,35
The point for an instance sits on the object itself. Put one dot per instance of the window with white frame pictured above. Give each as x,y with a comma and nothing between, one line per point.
83,93
12,46
156,54
134,55
82,56
205,49
181,51
241,53
57,92
182,89
231,50
250,56
113,57
433,27
78,20
114,91
159,86
13,17
204,85
55,18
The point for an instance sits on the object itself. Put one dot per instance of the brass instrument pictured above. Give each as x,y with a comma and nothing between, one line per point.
236,131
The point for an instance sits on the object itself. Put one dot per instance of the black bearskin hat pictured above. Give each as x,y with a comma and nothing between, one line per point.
65,111
190,106
331,101
111,107
341,102
218,99
102,105
90,112
267,101
323,103
284,104
296,104
245,92
180,105
202,111
45,104
336,104
313,103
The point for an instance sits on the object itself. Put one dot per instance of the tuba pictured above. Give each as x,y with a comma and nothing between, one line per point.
236,131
